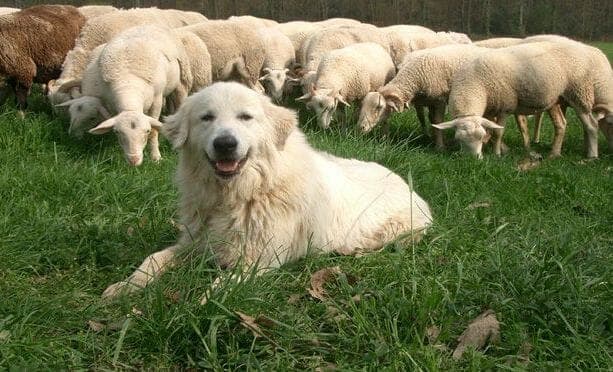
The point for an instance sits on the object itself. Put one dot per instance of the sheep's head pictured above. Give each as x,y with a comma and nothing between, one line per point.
307,80
471,132
323,102
60,91
84,112
132,129
605,123
274,82
376,107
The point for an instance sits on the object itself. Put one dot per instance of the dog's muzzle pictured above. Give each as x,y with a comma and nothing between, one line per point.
226,162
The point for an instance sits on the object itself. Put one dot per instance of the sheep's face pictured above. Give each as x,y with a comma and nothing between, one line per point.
274,82
133,130
470,132
374,110
324,106
84,113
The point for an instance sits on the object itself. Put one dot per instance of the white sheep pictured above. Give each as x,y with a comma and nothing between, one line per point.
237,52
405,39
455,37
131,76
298,32
279,57
526,78
91,11
102,29
331,38
6,10
346,75
498,42
255,22
424,80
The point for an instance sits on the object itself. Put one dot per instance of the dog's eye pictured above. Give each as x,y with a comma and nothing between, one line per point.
244,116
207,117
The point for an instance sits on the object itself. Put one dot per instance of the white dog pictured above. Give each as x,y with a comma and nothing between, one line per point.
254,190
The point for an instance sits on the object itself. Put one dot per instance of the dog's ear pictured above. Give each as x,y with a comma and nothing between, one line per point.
175,126
284,121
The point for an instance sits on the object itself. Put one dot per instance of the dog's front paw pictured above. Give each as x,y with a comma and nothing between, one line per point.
118,289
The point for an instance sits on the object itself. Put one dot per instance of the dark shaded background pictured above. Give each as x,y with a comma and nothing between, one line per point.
584,19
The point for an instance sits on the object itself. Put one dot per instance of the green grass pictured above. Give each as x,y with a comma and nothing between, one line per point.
75,218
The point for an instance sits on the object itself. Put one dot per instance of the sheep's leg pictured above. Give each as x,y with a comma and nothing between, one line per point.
559,125
437,117
22,90
152,267
154,145
421,117
499,146
538,121
522,124
590,133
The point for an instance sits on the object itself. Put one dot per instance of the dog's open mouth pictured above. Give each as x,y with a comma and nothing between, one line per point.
228,168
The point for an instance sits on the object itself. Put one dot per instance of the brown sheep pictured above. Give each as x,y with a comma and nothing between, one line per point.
33,45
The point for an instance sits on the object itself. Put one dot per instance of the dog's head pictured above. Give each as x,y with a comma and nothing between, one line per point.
230,126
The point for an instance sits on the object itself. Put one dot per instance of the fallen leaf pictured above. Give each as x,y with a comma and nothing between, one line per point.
294,299
250,323
136,311
4,335
432,333
532,161
143,222
320,278
173,296
482,204
95,326
327,367
130,231
176,225
481,331
356,299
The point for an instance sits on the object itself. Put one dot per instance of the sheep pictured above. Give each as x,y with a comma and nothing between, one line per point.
424,80
280,56
531,77
405,39
455,37
102,29
254,22
236,50
335,22
91,11
33,46
298,32
5,10
346,75
498,42
332,38
131,75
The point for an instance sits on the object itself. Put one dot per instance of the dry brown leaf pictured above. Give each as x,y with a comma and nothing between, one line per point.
95,326
250,323
481,331
294,299
130,231
143,222
481,204
136,311
173,296
432,333
320,278
356,299
4,335
528,163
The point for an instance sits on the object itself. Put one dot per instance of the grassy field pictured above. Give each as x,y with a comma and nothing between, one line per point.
536,247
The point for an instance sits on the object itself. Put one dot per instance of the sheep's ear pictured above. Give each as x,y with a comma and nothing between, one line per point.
394,102
103,127
340,99
67,86
266,70
265,77
103,112
155,124
490,124
283,119
599,112
445,125
175,126
304,98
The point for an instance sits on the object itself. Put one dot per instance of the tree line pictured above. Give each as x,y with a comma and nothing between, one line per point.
583,19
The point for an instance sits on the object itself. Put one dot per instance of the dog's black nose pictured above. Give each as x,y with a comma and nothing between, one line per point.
225,144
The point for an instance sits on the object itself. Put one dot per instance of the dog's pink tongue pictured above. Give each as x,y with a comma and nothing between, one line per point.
227,165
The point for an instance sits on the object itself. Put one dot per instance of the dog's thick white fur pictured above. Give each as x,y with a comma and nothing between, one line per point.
272,196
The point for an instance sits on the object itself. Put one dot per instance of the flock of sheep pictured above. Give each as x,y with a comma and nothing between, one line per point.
118,70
